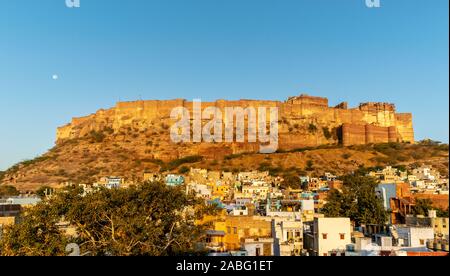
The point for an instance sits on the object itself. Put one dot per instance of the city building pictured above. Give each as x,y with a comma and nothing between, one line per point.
328,236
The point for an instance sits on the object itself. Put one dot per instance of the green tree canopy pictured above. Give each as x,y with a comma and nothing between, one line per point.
357,201
43,190
148,219
8,190
422,206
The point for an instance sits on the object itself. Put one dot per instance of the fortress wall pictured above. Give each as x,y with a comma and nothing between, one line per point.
63,132
405,127
309,100
384,125
377,107
376,134
343,105
81,120
353,134
392,135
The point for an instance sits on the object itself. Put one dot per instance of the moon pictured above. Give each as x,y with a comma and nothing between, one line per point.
55,77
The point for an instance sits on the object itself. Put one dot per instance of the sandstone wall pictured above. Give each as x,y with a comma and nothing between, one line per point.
368,123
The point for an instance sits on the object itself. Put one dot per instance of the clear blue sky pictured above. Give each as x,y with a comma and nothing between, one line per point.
110,50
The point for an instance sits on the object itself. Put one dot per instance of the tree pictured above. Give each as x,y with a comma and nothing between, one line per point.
36,235
149,219
183,170
41,192
309,165
441,213
291,181
8,190
422,206
357,201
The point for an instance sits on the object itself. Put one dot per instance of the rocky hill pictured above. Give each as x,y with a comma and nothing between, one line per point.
134,137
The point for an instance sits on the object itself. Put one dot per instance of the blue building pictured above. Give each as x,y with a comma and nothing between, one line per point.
174,180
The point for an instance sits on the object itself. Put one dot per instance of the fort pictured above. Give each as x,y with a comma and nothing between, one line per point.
304,121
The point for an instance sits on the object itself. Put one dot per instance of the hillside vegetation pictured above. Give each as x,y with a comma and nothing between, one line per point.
86,160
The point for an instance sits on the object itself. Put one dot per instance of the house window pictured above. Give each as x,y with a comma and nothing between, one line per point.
235,230
324,236
297,234
342,236
422,242
228,229
325,254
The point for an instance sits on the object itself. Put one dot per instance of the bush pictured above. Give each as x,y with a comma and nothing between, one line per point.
327,133
8,190
183,170
96,136
186,160
309,165
233,156
108,130
346,156
417,155
312,128
42,190
291,181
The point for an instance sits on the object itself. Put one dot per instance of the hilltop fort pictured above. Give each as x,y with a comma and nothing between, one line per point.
304,121
135,137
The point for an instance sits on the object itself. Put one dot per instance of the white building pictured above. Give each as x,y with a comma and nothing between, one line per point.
330,236
200,190
258,246
255,192
288,235
415,237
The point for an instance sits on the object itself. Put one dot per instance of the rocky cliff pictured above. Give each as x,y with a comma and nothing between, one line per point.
304,121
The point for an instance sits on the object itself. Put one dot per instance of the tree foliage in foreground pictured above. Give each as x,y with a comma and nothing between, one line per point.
149,219
357,200
7,190
423,206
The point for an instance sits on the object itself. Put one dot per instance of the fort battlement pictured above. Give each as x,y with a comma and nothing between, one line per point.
368,123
